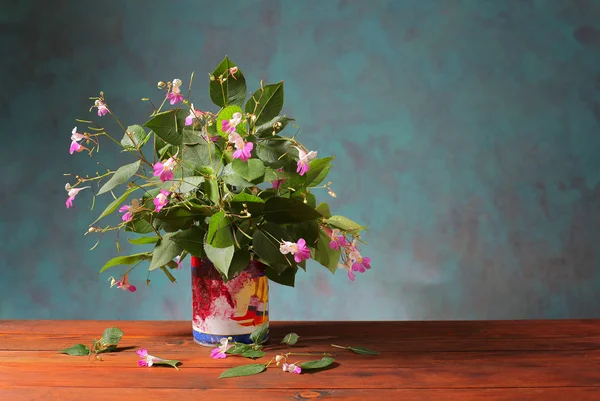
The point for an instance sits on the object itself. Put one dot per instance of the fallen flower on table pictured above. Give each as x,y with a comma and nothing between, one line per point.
148,360
107,343
358,350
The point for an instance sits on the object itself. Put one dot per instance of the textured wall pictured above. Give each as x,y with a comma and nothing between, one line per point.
467,135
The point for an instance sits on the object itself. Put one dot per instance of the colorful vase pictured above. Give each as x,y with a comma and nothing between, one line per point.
232,309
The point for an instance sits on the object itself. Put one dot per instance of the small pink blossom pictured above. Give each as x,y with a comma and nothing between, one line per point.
244,149
165,170
146,360
298,249
178,262
244,153
337,239
72,193
219,352
76,136
102,109
303,160
161,200
194,114
228,126
233,71
277,183
76,147
175,95
292,368
122,283
128,214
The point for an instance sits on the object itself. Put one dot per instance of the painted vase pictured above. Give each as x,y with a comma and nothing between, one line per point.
228,309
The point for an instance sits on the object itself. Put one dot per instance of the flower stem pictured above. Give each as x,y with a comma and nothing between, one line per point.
339,346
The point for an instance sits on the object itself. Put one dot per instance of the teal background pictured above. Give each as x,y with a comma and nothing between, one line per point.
467,136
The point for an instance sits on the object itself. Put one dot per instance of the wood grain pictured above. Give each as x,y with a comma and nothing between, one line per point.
492,360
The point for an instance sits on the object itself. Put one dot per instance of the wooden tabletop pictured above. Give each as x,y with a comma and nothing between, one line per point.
456,360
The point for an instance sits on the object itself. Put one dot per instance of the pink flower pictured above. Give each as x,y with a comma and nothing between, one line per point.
161,200
244,149
165,170
351,275
292,368
353,260
128,216
233,71
303,160
72,192
122,283
76,136
194,114
75,147
228,126
175,95
277,183
337,239
178,261
219,352
298,249
102,109
147,359
244,153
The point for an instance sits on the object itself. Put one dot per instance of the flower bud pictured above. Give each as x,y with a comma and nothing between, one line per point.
161,85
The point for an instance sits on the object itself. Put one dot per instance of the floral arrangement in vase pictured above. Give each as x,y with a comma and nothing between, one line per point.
226,187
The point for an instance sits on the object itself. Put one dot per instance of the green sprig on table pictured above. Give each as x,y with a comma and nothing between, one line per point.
107,343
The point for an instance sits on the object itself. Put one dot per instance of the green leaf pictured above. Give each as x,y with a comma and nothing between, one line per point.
139,136
164,251
266,241
183,185
211,189
200,156
168,125
268,103
143,240
244,197
115,204
126,260
238,349
274,151
287,276
231,178
121,176
139,226
111,336
244,370
323,208
232,91
269,127
220,257
345,224
319,168
170,362
318,364
254,353
76,350
260,333
219,231
363,351
309,230
249,170
323,254
240,261
168,274
288,210
192,240
227,114
290,339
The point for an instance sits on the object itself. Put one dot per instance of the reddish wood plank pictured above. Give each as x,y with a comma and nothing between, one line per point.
343,376
199,358
416,329
107,393
51,342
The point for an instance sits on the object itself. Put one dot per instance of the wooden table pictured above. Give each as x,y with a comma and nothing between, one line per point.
477,360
